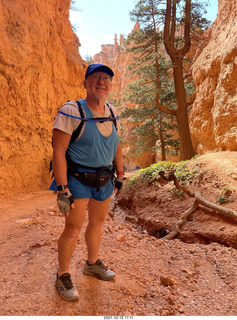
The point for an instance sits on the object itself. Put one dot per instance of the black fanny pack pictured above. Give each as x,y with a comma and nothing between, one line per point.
93,179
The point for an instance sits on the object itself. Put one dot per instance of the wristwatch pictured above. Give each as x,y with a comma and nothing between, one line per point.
62,187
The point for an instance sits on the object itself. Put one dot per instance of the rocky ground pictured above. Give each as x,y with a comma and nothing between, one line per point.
195,274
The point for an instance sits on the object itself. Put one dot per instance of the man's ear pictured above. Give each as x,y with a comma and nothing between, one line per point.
84,83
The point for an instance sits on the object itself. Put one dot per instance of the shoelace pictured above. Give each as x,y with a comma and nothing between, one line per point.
66,279
100,264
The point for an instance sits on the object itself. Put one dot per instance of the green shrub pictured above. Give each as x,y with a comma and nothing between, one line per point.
183,170
225,196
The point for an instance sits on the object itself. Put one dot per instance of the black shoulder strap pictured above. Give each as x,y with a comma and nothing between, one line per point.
77,132
113,116
78,129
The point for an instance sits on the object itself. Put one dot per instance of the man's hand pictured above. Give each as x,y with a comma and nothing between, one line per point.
118,185
65,202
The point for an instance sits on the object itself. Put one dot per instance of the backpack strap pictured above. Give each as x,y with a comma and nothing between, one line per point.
76,133
113,116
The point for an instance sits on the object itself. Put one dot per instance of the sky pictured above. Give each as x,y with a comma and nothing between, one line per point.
97,21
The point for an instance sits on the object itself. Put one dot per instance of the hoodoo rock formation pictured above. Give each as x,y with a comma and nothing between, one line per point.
115,56
40,69
213,118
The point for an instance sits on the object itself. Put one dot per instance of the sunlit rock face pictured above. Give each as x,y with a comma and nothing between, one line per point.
213,118
40,69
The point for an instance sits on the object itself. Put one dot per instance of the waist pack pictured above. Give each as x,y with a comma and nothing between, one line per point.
93,179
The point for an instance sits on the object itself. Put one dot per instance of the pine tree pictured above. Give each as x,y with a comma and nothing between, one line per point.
150,83
183,24
74,6
89,60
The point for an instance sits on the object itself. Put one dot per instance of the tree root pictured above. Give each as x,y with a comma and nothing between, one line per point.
198,200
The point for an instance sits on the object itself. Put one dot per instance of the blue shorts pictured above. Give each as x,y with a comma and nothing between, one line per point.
81,191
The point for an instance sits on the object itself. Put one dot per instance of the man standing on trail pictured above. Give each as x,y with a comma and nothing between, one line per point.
83,173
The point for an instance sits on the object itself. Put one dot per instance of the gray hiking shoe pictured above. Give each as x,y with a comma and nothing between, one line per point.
65,287
98,270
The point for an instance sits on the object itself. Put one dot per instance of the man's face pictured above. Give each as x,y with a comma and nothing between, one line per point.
98,84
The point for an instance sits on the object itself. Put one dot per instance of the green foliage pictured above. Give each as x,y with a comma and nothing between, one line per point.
74,6
150,84
185,172
147,127
221,199
89,60
178,193
225,196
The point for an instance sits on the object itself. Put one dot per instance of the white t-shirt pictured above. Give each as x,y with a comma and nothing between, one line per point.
69,124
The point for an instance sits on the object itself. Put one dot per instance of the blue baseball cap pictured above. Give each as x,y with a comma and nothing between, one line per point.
98,68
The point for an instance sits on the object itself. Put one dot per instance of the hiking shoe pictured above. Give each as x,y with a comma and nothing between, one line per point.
98,270
65,287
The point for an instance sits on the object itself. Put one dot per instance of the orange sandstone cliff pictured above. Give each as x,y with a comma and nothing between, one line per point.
213,118
40,69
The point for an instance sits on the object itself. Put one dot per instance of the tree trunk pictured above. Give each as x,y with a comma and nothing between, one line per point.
177,55
162,140
186,147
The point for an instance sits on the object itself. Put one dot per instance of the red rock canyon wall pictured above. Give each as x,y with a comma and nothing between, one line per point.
40,69
213,118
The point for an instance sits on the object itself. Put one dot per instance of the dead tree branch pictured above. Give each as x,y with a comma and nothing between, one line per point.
198,200
181,220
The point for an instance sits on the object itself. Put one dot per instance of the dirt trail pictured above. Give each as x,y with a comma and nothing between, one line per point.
153,277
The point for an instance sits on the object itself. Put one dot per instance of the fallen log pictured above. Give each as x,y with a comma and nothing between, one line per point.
198,200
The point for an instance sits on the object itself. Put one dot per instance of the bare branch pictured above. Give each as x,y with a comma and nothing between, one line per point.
169,45
173,178
187,29
181,221
226,212
166,109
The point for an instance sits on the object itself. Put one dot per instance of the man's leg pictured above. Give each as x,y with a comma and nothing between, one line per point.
97,211
68,239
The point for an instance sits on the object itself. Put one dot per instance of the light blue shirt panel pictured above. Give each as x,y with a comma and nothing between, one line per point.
93,149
